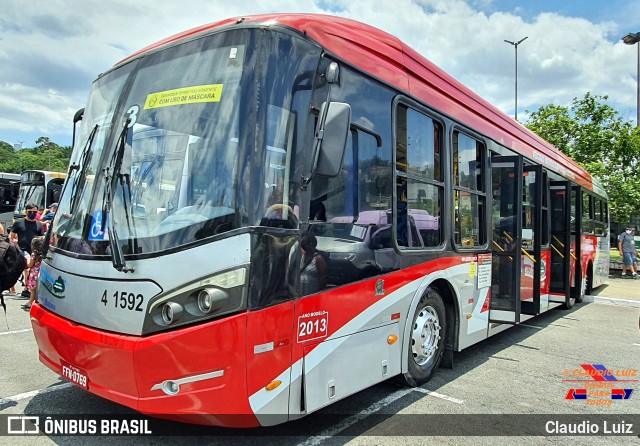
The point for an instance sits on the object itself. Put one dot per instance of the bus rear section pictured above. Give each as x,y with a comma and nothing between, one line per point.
9,188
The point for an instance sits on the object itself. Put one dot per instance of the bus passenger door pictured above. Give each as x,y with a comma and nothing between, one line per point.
575,239
560,243
506,244
531,235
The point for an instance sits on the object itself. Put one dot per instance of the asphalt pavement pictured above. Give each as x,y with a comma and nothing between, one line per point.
14,306
618,289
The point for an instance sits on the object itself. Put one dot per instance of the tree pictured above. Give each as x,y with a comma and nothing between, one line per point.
6,152
47,155
593,133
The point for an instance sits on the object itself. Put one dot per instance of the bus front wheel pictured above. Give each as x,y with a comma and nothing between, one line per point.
426,338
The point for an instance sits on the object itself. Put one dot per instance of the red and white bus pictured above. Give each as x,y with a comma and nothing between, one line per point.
172,283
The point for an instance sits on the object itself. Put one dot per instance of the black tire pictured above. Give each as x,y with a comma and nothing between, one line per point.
589,288
430,325
583,291
572,302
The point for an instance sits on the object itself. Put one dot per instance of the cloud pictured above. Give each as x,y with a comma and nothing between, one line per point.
51,50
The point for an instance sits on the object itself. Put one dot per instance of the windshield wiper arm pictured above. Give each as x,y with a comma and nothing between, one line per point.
111,176
81,167
125,180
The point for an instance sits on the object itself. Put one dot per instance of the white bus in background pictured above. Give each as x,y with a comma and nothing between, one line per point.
40,187
9,188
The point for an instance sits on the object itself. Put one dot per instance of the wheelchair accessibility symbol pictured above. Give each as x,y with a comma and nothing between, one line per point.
96,232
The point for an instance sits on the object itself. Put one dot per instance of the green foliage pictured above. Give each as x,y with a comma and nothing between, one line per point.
615,255
6,152
593,133
46,155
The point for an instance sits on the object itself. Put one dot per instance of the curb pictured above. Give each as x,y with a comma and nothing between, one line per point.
611,301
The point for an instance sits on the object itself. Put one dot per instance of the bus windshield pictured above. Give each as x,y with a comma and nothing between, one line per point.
38,187
172,132
30,193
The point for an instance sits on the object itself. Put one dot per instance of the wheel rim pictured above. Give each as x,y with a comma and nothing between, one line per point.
425,335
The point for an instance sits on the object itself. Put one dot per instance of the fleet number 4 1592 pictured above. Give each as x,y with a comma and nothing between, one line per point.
123,300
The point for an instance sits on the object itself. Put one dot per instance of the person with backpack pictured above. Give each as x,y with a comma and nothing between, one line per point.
12,264
24,230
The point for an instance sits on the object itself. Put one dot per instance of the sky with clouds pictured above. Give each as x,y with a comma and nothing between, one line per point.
52,50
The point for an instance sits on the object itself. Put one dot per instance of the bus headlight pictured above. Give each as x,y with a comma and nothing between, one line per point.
171,312
211,299
228,279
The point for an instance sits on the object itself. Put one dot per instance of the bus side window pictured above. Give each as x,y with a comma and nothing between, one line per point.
420,186
469,195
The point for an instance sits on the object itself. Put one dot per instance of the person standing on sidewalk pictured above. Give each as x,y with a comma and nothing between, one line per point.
22,232
627,248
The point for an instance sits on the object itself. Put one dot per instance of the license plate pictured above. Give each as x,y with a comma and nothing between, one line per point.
74,374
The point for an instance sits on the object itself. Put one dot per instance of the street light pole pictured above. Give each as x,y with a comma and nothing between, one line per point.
515,45
632,39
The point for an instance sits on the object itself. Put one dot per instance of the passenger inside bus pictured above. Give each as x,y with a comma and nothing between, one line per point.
313,268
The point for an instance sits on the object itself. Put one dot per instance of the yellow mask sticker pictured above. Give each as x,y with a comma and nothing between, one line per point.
473,269
187,95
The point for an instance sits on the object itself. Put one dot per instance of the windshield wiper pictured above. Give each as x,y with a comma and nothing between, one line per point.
29,193
112,177
82,168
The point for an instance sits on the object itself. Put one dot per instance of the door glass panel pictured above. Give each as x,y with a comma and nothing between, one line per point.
505,257
528,235
558,239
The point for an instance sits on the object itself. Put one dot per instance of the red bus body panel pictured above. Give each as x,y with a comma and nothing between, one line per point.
124,368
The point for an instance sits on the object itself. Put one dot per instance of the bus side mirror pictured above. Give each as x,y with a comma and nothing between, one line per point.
334,140
76,118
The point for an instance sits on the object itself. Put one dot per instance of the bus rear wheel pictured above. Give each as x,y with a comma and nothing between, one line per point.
583,290
570,303
586,287
426,339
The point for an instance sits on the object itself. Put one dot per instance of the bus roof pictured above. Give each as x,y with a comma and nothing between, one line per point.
390,60
9,176
49,173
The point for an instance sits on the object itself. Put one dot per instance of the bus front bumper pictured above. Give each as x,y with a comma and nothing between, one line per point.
195,374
